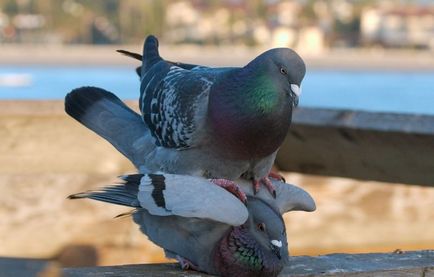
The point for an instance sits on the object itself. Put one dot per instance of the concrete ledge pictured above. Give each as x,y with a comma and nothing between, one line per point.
416,263
387,147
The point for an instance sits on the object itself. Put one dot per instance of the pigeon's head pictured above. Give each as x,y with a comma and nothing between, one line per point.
285,68
268,229
256,248
254,100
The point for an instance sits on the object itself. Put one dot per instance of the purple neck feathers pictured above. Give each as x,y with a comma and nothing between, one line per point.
238,254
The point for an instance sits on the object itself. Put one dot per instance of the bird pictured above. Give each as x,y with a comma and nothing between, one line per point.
206,228
221,123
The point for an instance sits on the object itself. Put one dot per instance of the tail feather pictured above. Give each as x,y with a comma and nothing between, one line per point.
117,194
150,53
130,213
140,58
134,56
130,54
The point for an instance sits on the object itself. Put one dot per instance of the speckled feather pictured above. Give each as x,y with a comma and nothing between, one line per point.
171,101
229,122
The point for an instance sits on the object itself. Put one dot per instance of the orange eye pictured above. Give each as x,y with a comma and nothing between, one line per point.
261,226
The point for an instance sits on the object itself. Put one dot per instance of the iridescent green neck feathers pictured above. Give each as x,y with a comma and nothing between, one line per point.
263,98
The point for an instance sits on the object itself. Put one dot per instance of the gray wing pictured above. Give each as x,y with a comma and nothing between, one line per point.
189,196
105,114
174,102
292,198
173,98
288,197
173,195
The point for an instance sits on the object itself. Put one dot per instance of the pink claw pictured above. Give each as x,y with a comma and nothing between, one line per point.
186,264
276,176
232,187
267,183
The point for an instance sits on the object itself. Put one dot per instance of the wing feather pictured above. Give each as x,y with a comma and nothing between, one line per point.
172,100
173,195
289,197
105,114
189,196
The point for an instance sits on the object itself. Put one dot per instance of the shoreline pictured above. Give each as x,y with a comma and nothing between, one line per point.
334,59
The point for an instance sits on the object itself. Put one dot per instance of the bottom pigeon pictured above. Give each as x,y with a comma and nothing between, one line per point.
205,227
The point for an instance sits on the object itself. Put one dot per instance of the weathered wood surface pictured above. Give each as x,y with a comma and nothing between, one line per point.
362,145
416,263
18,267
386,147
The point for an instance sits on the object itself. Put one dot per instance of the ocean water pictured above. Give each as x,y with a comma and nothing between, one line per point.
384,91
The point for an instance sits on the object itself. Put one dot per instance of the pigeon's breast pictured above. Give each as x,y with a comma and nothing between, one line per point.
250,139
248,124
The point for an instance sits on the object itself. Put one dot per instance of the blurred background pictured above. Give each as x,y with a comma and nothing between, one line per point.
371,55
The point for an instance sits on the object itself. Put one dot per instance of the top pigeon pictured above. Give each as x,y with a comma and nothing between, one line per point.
229,121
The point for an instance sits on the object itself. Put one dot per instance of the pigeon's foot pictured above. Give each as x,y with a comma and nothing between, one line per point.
276,176
186,264
265,181
232,187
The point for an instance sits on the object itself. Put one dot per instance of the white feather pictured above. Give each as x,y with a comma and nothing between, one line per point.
276,243
296,89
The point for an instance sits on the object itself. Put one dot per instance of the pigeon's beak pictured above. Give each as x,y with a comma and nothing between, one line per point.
296,90
275,246
295,102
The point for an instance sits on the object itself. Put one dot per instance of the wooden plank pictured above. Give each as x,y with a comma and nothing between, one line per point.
415,263
18,267
139,270
362,145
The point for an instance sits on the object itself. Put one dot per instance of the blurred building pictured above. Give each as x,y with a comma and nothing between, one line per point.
404,26
311,26
189,21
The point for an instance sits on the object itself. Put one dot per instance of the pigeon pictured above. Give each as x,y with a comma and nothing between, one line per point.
206,228
217,122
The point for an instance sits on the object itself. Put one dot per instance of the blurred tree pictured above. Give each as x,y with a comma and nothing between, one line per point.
10,7
138,18
307,14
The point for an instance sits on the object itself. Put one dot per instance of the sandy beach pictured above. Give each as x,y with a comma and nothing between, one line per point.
45,156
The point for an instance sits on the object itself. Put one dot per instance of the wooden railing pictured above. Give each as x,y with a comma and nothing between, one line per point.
386,147
415,263
397,148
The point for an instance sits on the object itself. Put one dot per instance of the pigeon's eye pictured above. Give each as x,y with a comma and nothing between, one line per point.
261,226
283,71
